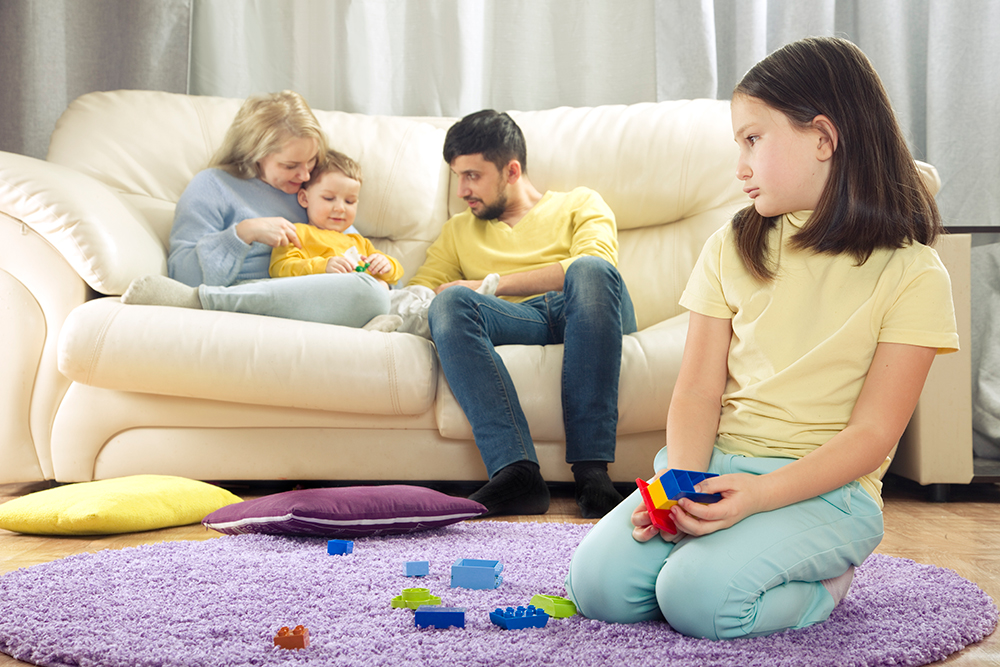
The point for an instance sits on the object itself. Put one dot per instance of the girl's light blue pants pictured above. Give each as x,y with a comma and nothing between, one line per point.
756,577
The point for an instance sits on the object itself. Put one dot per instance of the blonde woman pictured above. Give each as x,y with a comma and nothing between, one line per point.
234,213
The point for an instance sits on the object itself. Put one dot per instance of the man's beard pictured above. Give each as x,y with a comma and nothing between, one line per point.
495,210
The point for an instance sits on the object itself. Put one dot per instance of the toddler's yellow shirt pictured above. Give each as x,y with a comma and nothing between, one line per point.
319,245
802,344
561,227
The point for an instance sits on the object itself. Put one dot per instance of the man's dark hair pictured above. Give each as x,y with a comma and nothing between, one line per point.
492,133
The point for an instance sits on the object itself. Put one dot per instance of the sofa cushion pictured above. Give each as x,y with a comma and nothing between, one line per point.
247,359
353,511
122,505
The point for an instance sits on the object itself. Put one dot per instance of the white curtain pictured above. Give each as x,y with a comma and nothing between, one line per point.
451,57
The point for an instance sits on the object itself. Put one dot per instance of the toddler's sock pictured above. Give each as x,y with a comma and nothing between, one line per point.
385,323
838,586
489,286
595,493
161,291
515,489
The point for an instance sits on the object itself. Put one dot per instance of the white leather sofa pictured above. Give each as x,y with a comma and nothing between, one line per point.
91,388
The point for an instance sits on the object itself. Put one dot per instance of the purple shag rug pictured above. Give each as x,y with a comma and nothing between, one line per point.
220,602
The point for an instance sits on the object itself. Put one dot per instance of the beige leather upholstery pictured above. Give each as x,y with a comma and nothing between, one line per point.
93,388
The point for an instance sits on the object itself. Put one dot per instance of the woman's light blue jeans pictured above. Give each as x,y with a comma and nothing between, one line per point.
347,299
589,317
757,577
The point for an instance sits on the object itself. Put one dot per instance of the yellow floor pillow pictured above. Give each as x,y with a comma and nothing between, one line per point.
121,505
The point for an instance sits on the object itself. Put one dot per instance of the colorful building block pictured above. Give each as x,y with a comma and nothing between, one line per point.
516,619
339,547
439,617
554,606
413,598
664,492
476,574
297,638
416,568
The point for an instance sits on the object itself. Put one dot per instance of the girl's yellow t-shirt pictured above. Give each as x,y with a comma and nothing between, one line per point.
802,344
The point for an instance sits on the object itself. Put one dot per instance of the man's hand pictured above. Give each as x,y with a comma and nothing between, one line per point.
275,232
471,284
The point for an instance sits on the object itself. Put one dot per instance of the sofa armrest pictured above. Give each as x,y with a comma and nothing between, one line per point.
103,237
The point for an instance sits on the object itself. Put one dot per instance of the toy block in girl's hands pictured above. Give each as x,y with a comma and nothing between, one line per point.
664,492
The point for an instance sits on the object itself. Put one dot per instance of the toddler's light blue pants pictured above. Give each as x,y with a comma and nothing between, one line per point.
347,299
759,576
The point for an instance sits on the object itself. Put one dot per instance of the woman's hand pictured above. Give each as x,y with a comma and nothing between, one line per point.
274,232
339,265
742,495
378,264
645,530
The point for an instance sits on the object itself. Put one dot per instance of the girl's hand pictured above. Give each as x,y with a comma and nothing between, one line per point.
378,264
339,265
274,232
645,530
742,495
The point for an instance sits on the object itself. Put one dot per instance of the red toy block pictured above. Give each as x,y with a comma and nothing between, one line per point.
297,638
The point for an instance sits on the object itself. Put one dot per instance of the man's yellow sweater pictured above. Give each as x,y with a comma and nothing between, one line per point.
561,227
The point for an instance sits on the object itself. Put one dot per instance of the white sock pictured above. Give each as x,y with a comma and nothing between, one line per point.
158,290
838,586
411,304
489,286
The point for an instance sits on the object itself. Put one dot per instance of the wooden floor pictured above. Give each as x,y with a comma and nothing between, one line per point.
963,535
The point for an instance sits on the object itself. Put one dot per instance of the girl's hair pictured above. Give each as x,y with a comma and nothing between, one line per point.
874,197
261,127
334,161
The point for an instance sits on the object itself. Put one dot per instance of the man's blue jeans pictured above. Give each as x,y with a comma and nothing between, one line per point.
589,317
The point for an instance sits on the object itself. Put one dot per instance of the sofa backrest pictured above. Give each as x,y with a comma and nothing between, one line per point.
667,170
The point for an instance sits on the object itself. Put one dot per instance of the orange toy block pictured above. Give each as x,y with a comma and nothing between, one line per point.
297,638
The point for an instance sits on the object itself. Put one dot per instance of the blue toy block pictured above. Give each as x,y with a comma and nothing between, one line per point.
516,619
679,484
417,568
439,617
476,574
339,547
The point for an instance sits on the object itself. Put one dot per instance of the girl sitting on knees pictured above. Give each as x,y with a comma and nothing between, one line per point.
815,316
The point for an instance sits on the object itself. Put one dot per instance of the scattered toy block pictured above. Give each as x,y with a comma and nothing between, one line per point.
339,547
412,598
439,617
664,492
476,574
517,619
417,568
554,606
292,639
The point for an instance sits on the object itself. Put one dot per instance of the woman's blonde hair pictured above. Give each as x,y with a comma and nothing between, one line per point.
261,127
